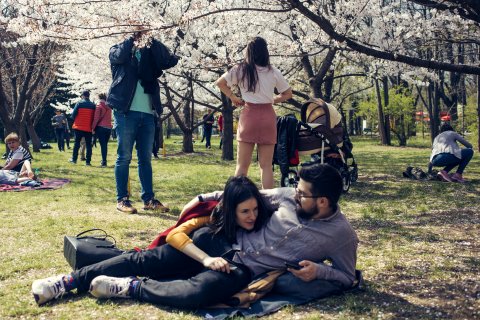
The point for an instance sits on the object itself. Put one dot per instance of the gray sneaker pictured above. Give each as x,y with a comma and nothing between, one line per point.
48,289
110,287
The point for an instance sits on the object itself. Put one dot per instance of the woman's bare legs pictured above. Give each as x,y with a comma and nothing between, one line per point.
26,170
244,158
265,158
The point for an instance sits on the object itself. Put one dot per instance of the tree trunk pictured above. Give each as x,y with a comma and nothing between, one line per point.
388,134
433,111
478,110
160,132
22,133
328,85
381,117
187,133
351,122
5,133
187,141
358,126
402,136
436,109
454,82
36,144
227,147
169,127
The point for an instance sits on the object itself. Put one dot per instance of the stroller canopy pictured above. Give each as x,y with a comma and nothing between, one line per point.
317,111
325,119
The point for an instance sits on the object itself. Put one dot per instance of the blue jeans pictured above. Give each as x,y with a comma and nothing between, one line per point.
449,161
139,128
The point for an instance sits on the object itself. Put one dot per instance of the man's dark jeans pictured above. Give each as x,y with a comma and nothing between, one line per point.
60,135
197,287
88,144
103,135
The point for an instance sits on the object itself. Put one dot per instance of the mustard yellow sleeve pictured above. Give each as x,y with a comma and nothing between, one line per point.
179,237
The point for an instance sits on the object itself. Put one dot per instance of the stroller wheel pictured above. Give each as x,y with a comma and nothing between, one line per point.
290,180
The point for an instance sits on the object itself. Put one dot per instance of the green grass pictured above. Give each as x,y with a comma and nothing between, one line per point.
418,240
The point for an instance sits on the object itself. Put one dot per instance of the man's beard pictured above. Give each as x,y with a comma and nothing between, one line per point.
306,214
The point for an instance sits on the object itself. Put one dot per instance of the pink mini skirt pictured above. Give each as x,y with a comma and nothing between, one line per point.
257,124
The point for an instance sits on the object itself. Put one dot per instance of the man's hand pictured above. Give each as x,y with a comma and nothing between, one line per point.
217,264
308,271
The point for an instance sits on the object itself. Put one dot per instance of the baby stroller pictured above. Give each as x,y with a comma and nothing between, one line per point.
319,134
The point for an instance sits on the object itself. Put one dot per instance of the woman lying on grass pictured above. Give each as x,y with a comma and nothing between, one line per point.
241,208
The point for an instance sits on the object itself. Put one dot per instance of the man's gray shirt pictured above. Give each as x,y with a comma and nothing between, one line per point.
286,237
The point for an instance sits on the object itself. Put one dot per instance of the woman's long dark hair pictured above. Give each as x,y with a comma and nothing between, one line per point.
237,190
256,54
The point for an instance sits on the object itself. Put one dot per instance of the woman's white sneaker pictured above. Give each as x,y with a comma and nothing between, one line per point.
110,287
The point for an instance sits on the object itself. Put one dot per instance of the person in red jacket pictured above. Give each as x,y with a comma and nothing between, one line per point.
82,116
102,126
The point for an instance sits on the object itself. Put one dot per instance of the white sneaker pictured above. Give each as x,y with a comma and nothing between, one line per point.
48,289
110,287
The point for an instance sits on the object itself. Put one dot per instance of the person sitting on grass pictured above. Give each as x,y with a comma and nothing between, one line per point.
17,155
446,153
12,177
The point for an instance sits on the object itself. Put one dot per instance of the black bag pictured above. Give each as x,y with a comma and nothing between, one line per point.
84,250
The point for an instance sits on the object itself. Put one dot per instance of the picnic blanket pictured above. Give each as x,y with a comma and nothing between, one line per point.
288,290
47,184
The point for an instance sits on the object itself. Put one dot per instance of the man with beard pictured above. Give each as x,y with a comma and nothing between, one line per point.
306,231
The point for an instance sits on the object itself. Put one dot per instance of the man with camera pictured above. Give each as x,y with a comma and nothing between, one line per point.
134,95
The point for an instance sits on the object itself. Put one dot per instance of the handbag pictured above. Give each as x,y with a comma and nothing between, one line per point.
83,250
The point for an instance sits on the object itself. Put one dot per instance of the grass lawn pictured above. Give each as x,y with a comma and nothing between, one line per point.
419,241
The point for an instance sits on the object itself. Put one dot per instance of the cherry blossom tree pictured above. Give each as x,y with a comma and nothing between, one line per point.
315,42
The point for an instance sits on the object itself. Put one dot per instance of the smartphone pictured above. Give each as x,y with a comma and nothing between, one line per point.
292,265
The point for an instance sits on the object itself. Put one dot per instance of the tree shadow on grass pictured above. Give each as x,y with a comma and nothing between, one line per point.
386,189
365,190
377,301
417,297
378,231
452,217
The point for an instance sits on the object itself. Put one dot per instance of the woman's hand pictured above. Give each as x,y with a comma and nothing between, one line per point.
217,264
236,100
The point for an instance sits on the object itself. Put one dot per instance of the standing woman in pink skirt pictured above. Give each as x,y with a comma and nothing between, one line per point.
257,80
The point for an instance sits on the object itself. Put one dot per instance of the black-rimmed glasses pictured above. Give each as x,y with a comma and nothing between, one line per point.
302,195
